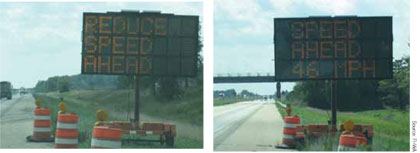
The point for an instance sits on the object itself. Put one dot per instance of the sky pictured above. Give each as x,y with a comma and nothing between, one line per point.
244,32
41,40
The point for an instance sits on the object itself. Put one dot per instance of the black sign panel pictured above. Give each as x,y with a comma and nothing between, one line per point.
333,48
133,43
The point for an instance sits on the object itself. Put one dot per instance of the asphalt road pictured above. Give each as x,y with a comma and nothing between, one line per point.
16,122
247,126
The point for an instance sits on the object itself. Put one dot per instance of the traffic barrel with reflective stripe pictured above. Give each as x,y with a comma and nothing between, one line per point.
349,142
105,137
289,132
66,133
42,124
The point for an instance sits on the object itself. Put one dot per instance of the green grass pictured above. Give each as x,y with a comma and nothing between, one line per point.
225,101
187,113
390,127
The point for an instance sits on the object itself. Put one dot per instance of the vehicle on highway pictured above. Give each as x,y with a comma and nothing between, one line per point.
23,91
5,90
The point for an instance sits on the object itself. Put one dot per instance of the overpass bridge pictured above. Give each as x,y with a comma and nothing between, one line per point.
244,78
248,78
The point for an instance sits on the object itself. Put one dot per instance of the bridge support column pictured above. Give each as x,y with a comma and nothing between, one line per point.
278,90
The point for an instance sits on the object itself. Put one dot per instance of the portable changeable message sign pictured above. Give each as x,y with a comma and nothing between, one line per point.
139,43
333,48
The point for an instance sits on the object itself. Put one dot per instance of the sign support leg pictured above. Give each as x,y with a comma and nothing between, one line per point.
278,87
137,100
334,105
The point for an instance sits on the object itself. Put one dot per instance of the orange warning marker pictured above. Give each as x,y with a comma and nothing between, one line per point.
42,125
350,141
289,132
289,129
66,134
105,137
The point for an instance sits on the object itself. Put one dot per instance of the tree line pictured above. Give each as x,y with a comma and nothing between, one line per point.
231,93
165,87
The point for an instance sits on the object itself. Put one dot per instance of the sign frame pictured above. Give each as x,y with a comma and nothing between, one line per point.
388,59
193,57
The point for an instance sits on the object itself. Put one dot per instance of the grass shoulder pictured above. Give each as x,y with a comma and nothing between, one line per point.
390,126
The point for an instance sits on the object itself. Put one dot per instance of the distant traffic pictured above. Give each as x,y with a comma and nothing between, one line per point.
7,91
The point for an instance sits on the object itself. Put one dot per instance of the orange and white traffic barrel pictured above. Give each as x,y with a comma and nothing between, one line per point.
289,132
105,137
42,124
349,142
66,134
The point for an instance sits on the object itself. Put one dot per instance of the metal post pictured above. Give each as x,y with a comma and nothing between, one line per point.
334,104
137,100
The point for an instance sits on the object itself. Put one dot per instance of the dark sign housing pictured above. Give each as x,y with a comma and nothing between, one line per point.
333,48
134,43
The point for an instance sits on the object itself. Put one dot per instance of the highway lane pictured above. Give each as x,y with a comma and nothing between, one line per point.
228,117
247,126
16,122
5,103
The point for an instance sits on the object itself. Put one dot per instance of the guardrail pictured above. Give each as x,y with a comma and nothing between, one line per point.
282,105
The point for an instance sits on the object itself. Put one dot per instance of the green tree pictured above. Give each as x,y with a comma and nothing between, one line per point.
40,86
125,82
169,88
64,84
396,92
